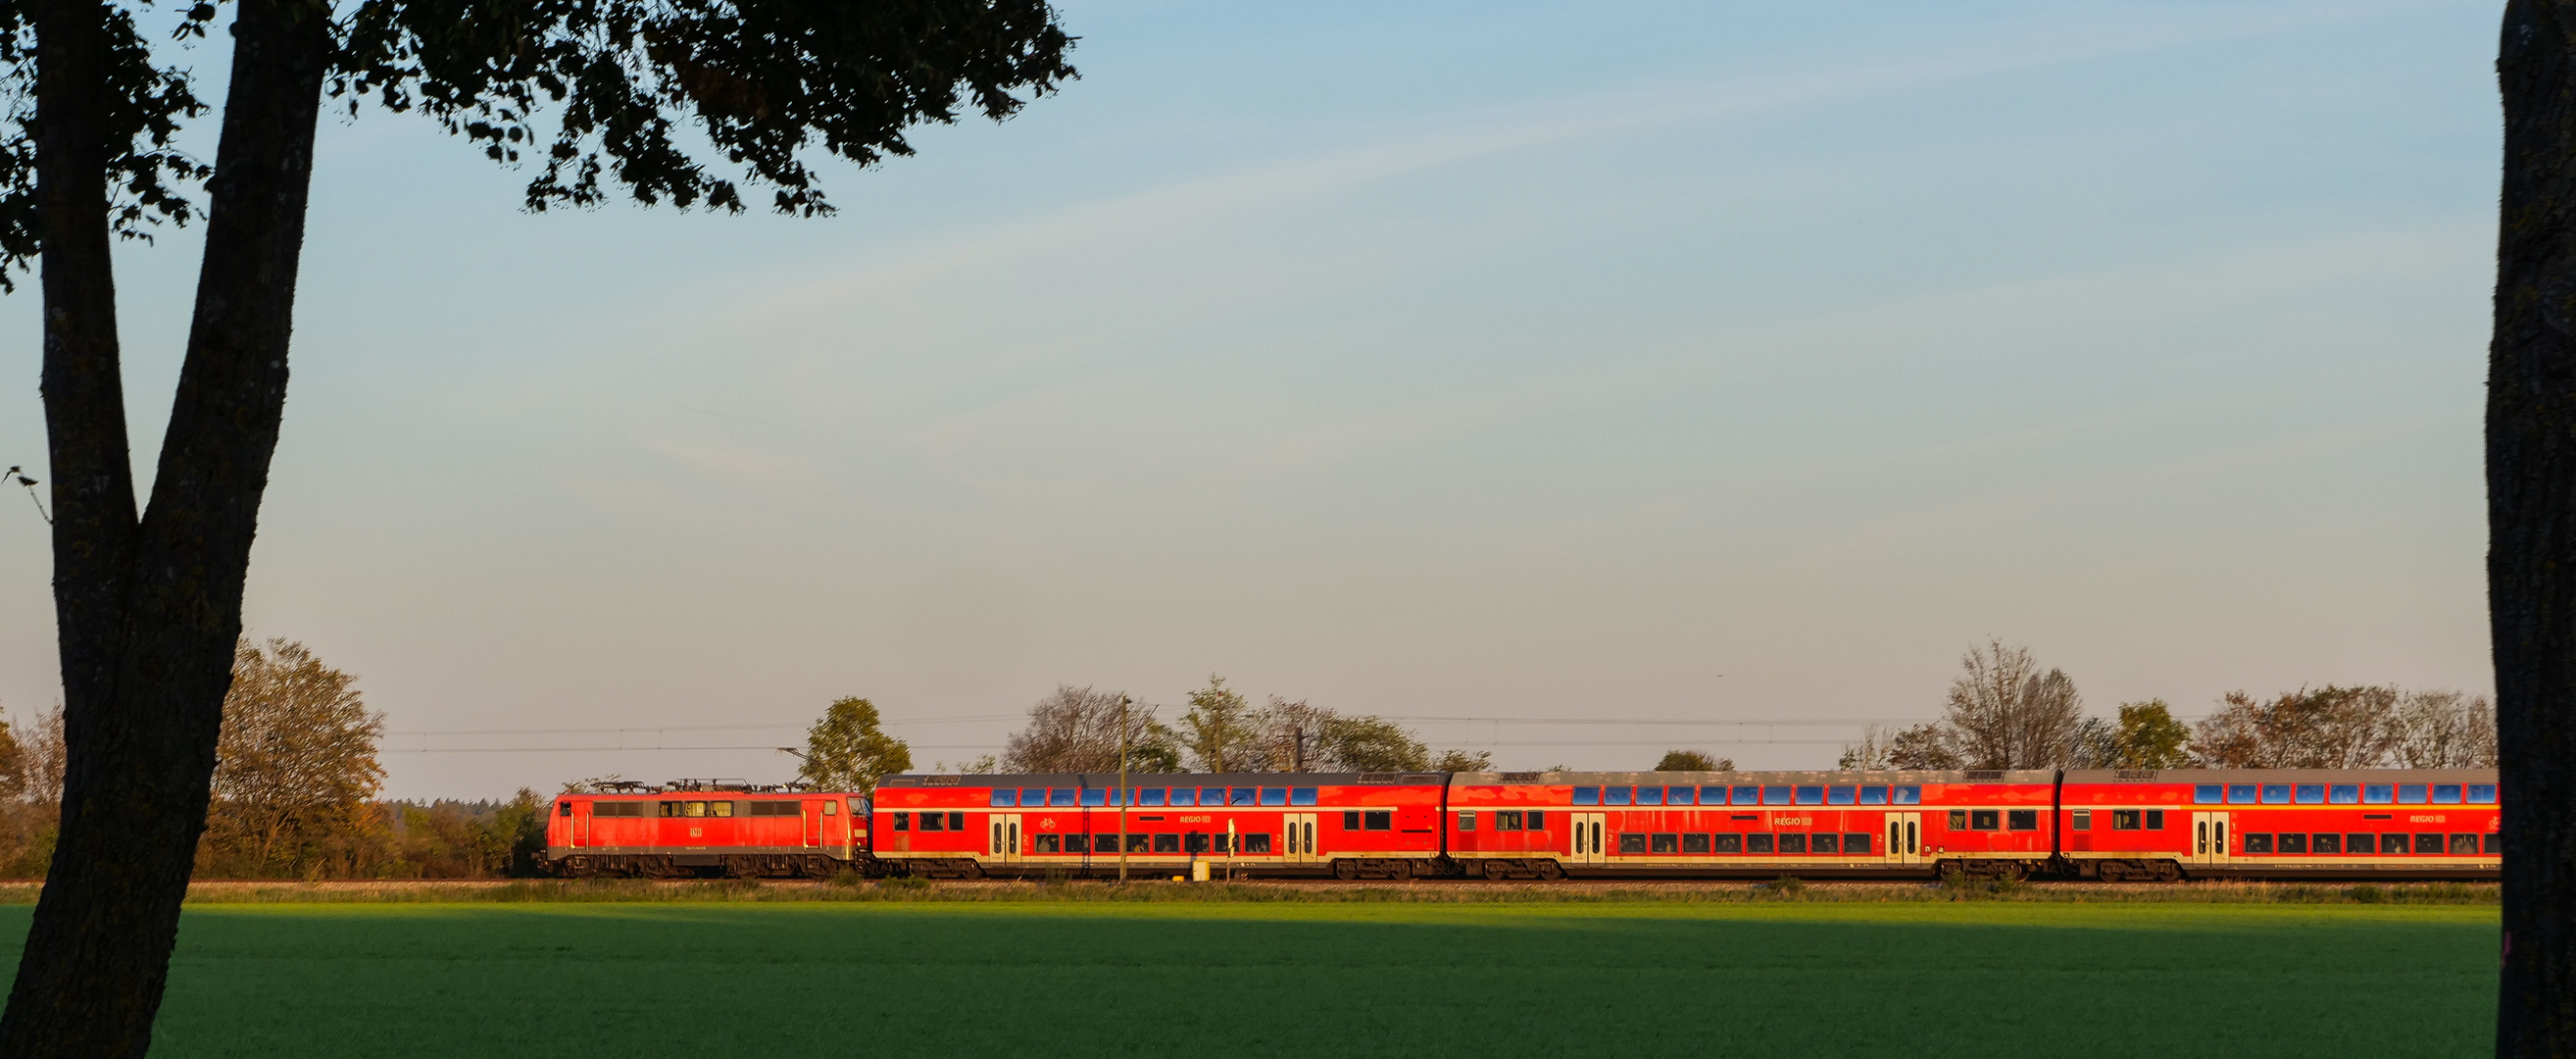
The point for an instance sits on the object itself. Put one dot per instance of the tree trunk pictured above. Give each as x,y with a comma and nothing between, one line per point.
148,610
2531,526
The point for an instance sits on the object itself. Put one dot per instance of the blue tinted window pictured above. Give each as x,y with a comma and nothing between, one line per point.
2446,794
1061,796
1211,796
2240,794
1616,795
1150,797
1301,795
1650,796
2312,794
1907,795
1775,795
2208,794
1033,796
2378,793
1185,796
2482,794
1005,797
2344,793
1838,796
1873,796
1094,796
1244,796
1748,796
2410,794
1811,796
1274,795
1712,796
1587,796
1678,796
1117,797
2276,794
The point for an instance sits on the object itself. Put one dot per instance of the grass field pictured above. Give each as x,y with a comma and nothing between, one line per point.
1236,979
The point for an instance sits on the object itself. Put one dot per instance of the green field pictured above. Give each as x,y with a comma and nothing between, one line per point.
1079,979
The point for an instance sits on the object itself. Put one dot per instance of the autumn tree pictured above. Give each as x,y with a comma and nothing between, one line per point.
846,751
2443,730
1922,747
1223,732
690,102
1693,761
2005,713
2149,737
295,772
1078,730
1463,761
2331,727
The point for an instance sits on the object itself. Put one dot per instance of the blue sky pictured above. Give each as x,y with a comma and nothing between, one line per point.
1639,362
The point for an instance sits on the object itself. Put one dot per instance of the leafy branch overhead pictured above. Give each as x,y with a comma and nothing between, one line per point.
685,101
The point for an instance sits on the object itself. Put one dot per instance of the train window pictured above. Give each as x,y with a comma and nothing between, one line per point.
2360,843
1167,843
1747,795
2240,794
1681,796
1257,842
1650,796
1839,795
1631,842
934,822
2393,843
1538,820
719,808
1150,798
1120,796
2258,843
1757,843
1048,844
1062,797
1617,795
1137,843
2482,794
1811,796
2464,845
1033,797
1003,798
1507,820
1958,819
2276,794
1983,819
2080,820
1351,821
2023,819
2311,794
1093,797
1194,842
1712,796
1856,845
1244,796
2326,843
1727,843
2124,820
564,809
1377,820
2378,793
1775,795
1793,843
1694,843
2294,843
2155,819
1185,797
1873,796
1466,819
2428,843
2446,794
2207,794
1274,795
2494,844
903,821
1587,796
693,809
2410,794
773,808
1077,843
2344,794
1905,795
1211,796
1301,795
1666,843
1824,843
1104,844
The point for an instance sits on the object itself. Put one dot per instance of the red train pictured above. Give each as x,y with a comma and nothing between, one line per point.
1507,825
695,828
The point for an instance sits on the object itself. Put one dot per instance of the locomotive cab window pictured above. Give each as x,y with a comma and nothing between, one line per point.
564,810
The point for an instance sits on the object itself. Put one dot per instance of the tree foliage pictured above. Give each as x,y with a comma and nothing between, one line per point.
1078,730
2348,727
1694,761
296,773
845,750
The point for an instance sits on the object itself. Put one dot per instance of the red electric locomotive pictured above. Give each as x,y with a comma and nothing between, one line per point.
703,828
2281,823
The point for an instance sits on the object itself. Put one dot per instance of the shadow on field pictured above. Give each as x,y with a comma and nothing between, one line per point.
1411,981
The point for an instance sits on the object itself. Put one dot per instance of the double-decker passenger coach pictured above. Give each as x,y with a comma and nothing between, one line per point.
2281,823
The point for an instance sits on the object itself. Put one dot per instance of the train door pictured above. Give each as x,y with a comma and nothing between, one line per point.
2209,838
1300,828
580,828
813,822
1587,838
1005,846
1904,838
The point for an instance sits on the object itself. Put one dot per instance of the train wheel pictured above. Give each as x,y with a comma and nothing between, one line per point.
1346,870
2112,871
1498,870
2168,871
1551,870
1399,870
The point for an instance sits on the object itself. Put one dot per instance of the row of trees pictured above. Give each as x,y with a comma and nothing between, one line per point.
2005,712
1084,730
